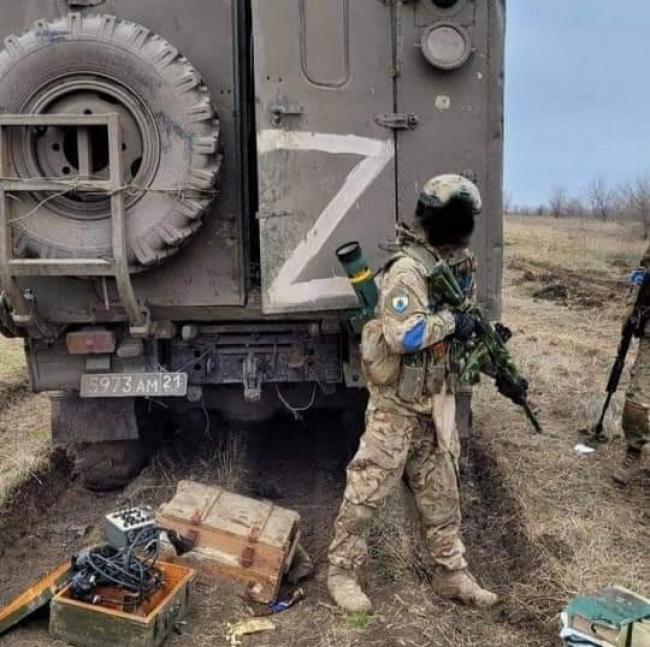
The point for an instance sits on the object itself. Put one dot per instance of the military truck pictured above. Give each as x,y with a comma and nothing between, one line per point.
175,178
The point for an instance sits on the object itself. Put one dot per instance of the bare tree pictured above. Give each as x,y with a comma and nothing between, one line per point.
600,199
575,208
558,202
637,199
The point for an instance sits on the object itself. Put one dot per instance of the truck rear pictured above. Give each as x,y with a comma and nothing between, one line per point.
175,180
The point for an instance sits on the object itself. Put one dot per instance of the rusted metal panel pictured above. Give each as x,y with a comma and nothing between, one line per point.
326,168
89,342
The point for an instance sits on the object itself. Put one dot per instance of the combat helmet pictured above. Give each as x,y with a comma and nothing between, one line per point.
441,189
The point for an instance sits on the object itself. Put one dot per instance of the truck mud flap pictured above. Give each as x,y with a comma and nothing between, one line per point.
92,421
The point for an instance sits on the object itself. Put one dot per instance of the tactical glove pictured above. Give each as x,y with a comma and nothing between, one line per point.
465,327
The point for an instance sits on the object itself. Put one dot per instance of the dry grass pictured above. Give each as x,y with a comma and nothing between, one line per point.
13,376
542,523
576,244
396,544
24,422
589,532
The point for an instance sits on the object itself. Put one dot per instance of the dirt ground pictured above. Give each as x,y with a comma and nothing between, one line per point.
541,522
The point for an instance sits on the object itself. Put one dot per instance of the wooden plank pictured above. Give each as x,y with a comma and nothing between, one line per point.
34,598
266,558
263,588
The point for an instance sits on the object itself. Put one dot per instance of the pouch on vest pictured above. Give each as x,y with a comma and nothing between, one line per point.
436,376
379,363
412,377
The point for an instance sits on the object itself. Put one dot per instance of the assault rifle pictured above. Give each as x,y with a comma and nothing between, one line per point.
632,327
487,348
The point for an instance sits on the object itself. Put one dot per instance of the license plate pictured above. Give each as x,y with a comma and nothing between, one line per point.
129,385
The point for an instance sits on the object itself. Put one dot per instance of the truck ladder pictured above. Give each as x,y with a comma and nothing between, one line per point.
115,267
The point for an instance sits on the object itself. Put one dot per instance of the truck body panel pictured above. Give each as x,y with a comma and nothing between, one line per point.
333,114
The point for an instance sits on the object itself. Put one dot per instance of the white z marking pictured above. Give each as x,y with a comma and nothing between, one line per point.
285,290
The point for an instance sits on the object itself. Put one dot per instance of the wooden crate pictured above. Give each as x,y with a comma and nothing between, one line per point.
87,625
236,537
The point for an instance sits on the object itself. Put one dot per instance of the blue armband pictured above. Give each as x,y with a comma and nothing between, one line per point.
638,277
414,337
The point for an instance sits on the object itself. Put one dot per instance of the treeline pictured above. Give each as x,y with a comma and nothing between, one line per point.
628,201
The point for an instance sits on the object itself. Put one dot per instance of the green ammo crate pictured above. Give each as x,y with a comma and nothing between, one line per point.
88,625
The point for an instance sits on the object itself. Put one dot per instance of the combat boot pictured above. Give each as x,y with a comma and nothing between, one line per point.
346,592
461,585
629,468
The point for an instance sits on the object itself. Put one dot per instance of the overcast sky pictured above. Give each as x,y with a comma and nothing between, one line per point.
578,94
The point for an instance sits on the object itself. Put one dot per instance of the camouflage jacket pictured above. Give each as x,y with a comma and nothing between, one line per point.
633,294
418,328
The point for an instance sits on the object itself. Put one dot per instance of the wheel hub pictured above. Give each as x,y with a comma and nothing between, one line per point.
83,152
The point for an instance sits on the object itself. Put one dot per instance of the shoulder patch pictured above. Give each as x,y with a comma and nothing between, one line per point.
400,302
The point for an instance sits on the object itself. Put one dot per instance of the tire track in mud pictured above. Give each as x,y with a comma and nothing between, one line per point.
507,558
50,516
565,286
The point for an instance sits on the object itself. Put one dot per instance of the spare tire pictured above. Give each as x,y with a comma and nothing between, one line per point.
100,64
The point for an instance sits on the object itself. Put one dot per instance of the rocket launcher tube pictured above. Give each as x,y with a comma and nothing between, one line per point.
362,279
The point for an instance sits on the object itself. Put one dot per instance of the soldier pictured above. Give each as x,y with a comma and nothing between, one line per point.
636,412
410,419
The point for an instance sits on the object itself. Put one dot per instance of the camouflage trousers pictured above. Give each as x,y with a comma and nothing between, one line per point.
394,445
636,412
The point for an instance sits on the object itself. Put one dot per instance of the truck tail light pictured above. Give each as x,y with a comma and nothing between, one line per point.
90,342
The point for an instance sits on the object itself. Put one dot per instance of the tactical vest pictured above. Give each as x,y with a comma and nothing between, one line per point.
428,258
424,373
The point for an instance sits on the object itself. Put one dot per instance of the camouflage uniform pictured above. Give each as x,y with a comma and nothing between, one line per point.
410,433
416,438
636,412
411,416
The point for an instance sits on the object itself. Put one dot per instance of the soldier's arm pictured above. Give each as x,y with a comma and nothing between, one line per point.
636,280
408,324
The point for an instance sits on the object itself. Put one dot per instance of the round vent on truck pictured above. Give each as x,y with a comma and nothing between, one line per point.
446,45
169,139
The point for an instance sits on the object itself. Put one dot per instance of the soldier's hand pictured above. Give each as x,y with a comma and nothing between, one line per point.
465,327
